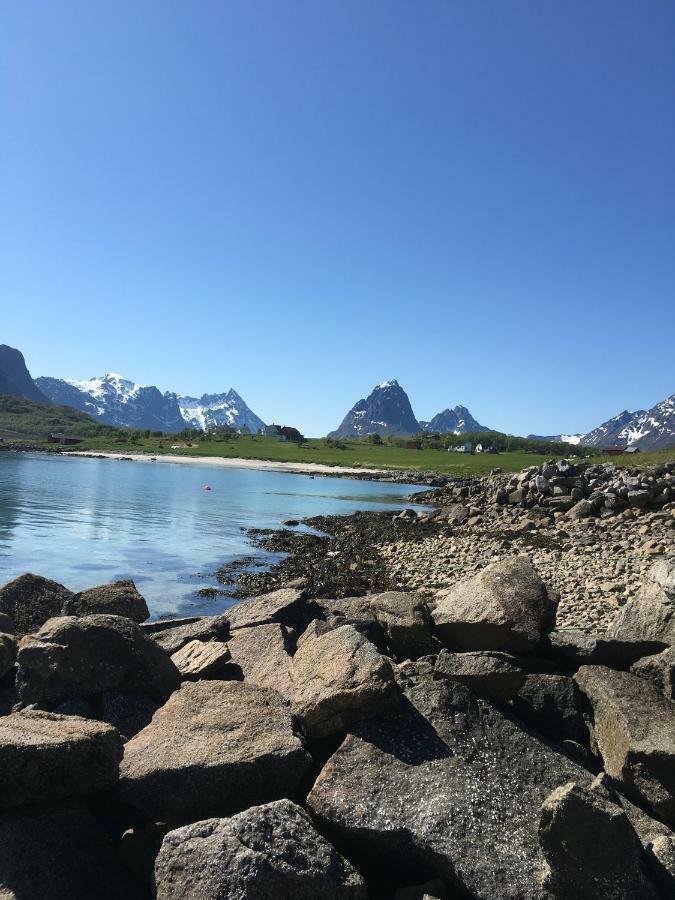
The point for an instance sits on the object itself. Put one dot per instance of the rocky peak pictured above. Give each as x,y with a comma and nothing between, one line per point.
15,379
386,410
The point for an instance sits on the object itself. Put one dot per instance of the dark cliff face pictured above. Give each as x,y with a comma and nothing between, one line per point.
454,421
15,379
386,410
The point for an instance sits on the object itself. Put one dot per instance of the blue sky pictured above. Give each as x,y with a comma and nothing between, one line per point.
301,199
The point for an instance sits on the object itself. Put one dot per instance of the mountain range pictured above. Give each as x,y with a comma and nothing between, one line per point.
387,410
117,401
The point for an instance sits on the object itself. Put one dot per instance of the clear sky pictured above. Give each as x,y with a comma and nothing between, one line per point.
301,199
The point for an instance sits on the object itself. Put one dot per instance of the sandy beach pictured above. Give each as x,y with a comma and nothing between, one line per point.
266,464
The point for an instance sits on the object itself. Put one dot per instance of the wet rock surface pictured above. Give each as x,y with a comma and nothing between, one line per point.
30,600
119,598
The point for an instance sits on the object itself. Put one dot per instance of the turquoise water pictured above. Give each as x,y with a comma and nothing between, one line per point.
88,521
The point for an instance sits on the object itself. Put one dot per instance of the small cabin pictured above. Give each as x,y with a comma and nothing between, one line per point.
632,450
612,451
413,445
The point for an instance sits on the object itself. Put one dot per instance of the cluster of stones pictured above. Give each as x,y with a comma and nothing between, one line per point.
595,555
376,746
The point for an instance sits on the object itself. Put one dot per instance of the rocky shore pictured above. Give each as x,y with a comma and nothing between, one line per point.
313,742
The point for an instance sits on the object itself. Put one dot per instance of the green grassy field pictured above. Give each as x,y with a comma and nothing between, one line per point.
359,454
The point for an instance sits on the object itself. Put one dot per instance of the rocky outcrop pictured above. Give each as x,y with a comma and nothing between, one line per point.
285,607
83,657
591,849
15,379
577,648
634,727
386,410
174,637
431,785
338,678
504,607
48,757
494,676
553,705
265,853
216,748
405,621
650,615
58,851
30,600
119,598
660,670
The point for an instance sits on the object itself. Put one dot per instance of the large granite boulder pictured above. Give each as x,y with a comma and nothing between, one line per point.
30,600
58,851
287,606
405,621
448,787
201,659
215,748
265,853
489,674
506,606
576,648
591,848
7,652
651,614
339,677
80,657
119,598
660,670
634,728
44,756
354,611
261,655
174,638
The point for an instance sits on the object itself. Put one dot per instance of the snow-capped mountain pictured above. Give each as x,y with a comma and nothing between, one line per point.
454,421
386,410
115,400
211,410
557,438
652,429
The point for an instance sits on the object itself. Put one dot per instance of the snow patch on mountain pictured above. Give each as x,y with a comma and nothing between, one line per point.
213,410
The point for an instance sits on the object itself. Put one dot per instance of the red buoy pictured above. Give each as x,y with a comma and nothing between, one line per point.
207,487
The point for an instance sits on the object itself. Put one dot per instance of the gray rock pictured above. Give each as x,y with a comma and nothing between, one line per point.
581,510
489,674
80,657
405,621
119,598
60,851
650,615
199,659
660,670
128,712
504,607
354,611
215,748
208,628
48,757
445,785
287,606
6,624
634,727
338,678
30,600
639,499
261,656
580,649
266,853
590,848
553,705
7,652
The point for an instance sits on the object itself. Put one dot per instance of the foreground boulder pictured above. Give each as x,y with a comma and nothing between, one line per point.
650,615
660,670
59,851
504,607
119,598
634,727
80,657
444,786
30,600
355,611
405,621
489,674
287,606
260,656
339,677
214,749
174,638
553,705
265,853
576,648
591,849
47,757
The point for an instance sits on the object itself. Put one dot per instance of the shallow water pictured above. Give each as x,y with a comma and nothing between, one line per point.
88,521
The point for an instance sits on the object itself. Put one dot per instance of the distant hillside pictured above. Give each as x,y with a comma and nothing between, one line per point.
454,421
23,418
15,379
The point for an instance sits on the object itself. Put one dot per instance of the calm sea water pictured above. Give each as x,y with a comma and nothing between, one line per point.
88,521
